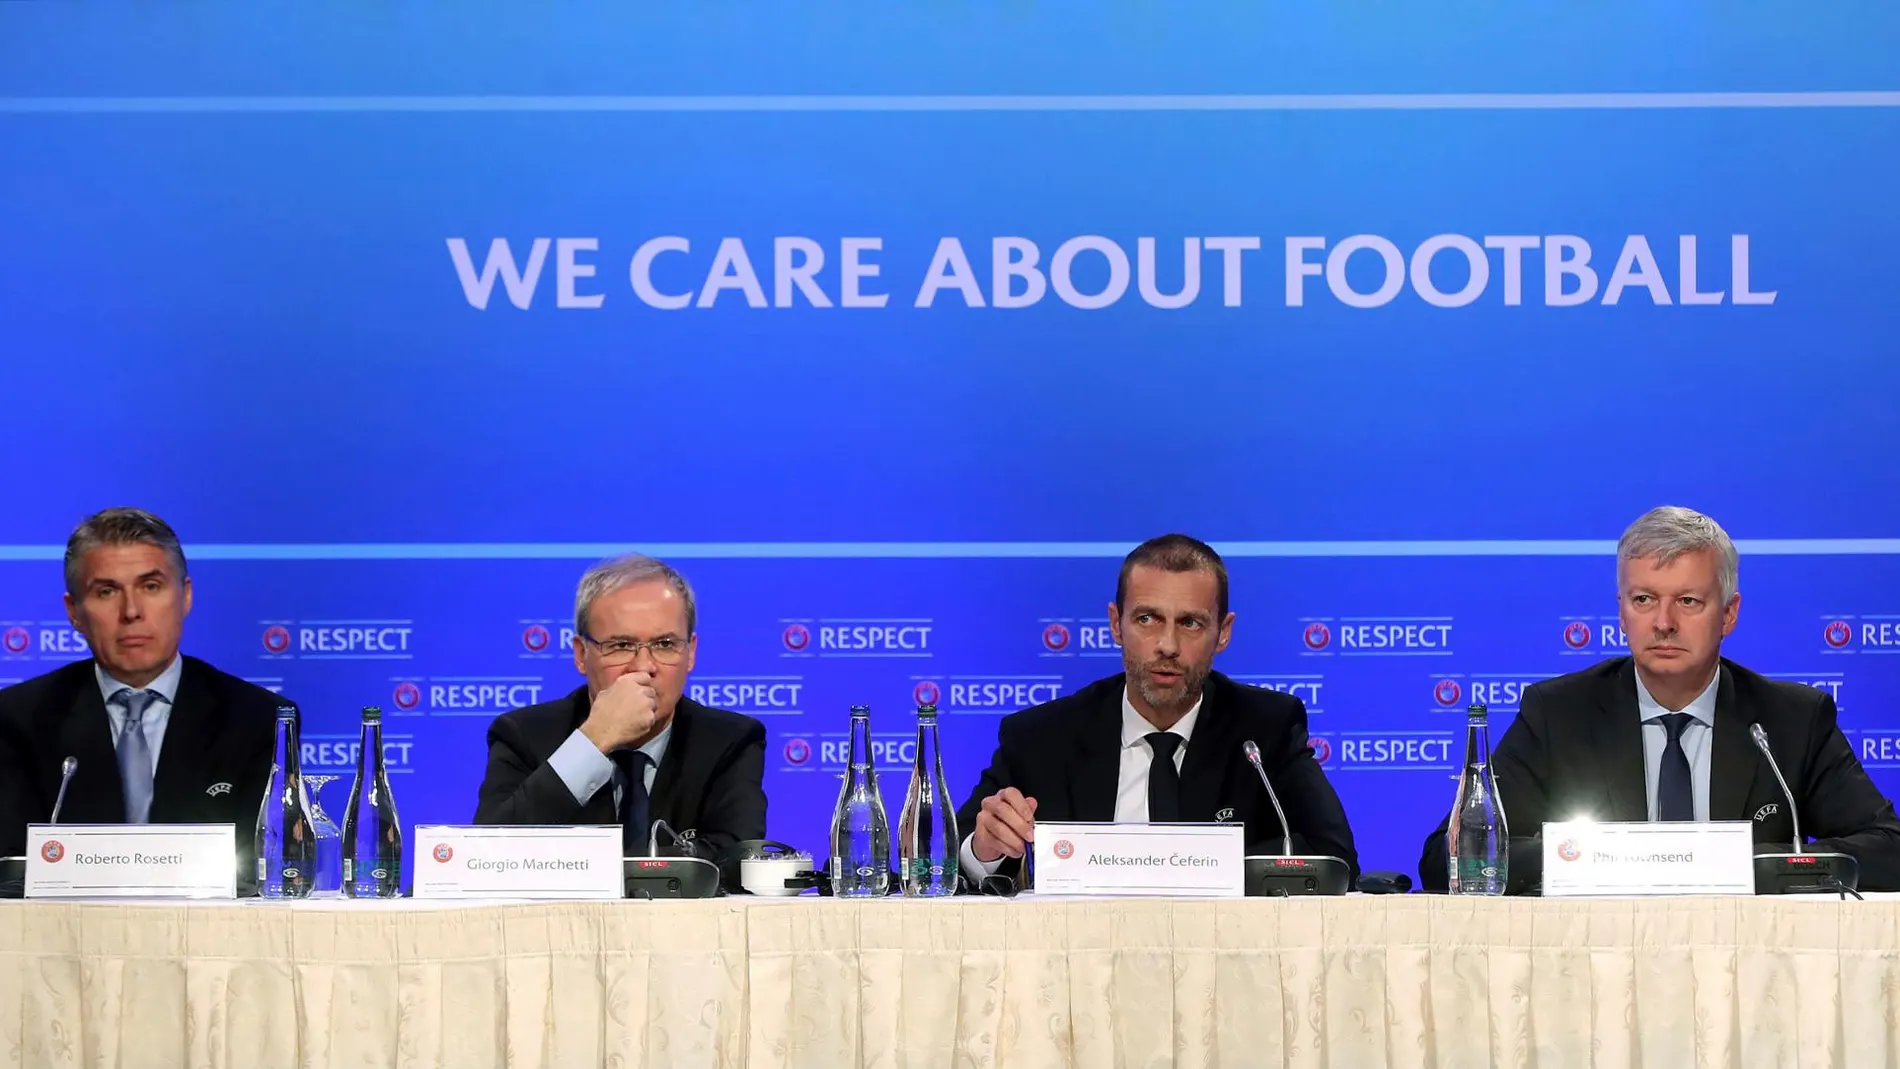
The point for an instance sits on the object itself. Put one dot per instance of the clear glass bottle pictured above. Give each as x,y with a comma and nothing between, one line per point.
286,838
1477,839
860,829
927,832
372,834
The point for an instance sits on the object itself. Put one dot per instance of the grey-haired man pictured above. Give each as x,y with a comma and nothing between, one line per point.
1663,734
628,747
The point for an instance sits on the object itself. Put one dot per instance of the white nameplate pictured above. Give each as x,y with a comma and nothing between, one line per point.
131,861
1184,860
1584,857
518,862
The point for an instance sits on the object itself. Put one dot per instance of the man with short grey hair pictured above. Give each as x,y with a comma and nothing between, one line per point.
1664,733
155,736
628,747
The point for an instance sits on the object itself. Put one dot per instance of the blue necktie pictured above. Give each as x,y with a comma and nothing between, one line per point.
135,755
635,807
1675,789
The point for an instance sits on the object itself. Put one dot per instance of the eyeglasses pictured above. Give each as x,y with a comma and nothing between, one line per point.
615,652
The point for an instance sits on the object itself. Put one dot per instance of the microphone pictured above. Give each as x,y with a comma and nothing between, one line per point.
1761,743
1286,830
13,869
653,836
1287,873
653,876
1799,872
66,770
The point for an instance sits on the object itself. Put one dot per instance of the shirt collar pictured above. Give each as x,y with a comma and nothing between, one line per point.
655,747
1702,708
1135,727
166,685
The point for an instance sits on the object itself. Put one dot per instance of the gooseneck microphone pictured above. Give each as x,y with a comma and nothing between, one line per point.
1286,830
669,877
1794,815
653,836
66,770
1287,873
1800,872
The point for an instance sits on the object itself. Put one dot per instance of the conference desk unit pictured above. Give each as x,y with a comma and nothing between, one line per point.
1353,982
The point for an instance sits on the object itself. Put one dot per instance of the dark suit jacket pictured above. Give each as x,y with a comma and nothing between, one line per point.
710,778
220,732
1066,754
1577,747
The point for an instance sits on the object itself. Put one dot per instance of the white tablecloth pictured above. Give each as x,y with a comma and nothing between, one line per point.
1353,982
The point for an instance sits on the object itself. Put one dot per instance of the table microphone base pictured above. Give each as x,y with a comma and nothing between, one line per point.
12,877
671,877
1276,875
1805,874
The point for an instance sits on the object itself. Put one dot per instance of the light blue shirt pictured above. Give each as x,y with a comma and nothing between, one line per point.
157,714
585,770
1695,741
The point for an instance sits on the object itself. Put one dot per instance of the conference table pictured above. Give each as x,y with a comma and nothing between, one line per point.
1033,981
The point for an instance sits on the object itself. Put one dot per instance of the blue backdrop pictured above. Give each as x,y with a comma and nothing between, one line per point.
894,330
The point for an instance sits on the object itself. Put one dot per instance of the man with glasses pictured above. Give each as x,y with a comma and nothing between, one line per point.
629,748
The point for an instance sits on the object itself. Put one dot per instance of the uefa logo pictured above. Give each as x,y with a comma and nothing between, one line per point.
1055,638
1322,748
15,640
1063,850
1576,634
52,851
796,637
1317,636
407,696
442,852
535,638
925,693
797,751
1569,850
1447,692
1837,633
276,639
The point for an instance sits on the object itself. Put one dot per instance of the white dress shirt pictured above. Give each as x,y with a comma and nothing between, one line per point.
585,770
1696,736
1131,788
157,714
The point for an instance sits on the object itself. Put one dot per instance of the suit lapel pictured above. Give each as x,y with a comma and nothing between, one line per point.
1618,735
191,736
1734,763
95,795
1095,776
1210,754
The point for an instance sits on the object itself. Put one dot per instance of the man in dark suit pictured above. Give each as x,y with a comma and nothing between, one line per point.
158,737
628,747
1161,742
1663,734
